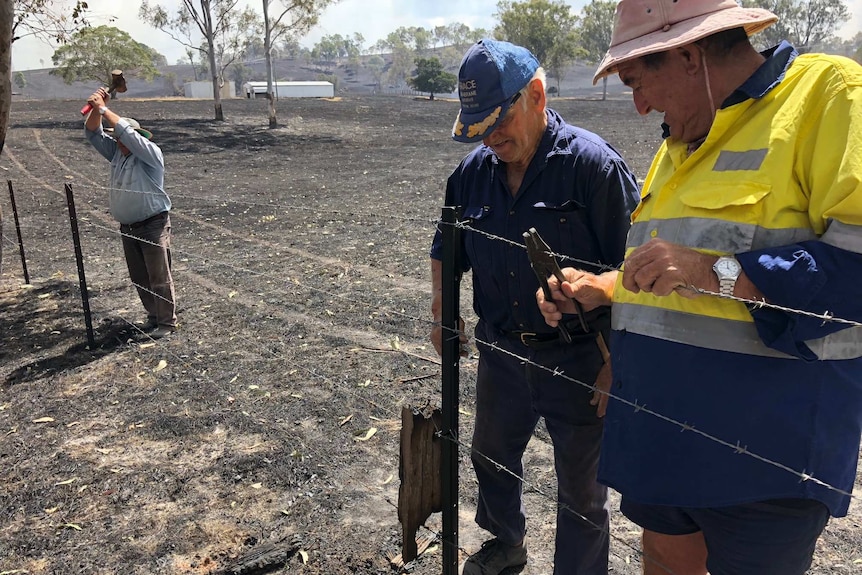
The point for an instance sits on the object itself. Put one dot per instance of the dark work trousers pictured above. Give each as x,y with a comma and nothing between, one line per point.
147,246
511,395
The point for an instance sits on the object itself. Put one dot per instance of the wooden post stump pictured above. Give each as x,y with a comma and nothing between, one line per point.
419,470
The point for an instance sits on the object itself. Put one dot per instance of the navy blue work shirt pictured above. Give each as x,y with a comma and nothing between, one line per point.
577,192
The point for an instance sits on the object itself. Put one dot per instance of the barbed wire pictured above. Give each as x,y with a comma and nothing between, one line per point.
826,317
737,446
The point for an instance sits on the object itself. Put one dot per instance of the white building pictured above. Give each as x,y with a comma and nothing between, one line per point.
205,90
291,89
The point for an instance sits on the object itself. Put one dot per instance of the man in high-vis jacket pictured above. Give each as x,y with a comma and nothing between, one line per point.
738,432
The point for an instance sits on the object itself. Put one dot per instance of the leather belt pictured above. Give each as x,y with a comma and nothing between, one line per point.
536,340
545,340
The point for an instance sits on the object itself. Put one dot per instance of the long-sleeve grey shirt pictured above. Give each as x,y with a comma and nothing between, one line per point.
137,180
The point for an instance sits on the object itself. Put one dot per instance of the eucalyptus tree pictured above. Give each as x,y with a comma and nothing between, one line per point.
432,78
48,20
224,28
596,27
548,28
289,19
6,11
804,23
91,54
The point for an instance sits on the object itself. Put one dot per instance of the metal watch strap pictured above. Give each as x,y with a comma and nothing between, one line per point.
726,286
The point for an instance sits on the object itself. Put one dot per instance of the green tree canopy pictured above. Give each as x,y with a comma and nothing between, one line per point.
432,78
803,23
548,28
92,53
537,25
596,27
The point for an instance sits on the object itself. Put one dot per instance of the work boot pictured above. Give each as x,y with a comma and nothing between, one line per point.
147,325
162,331
494,557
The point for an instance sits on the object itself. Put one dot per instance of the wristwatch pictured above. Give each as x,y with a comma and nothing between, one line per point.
728,270
102,110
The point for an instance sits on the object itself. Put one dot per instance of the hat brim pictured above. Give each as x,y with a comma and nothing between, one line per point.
470,128
145,133
682,33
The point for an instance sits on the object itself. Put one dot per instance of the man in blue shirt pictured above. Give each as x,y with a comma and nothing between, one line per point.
533,171
138,201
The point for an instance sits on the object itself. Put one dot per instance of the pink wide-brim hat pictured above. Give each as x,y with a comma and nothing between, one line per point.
644,27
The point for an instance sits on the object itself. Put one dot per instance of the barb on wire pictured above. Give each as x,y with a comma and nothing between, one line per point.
826,317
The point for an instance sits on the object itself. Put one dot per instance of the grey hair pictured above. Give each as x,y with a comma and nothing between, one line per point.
539,75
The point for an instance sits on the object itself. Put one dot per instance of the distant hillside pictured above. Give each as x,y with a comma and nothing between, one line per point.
40,84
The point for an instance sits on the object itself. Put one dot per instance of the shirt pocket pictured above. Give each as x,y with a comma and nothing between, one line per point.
723,217
476,240
565,226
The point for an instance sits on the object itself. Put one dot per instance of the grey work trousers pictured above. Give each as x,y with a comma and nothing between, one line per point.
147,247
510,397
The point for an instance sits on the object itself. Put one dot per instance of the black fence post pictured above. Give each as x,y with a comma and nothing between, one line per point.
79,259
18,230
451,357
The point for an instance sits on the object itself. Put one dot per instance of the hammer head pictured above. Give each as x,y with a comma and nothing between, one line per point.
118,83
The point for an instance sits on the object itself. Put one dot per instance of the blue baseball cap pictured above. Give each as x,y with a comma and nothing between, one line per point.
491,73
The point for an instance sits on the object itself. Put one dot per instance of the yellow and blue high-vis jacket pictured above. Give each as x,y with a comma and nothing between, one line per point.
778,183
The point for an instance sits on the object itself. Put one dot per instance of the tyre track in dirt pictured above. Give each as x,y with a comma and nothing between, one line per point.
361,338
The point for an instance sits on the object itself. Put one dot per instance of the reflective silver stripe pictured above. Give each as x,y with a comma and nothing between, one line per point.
749,160
844,236
722,334
716,235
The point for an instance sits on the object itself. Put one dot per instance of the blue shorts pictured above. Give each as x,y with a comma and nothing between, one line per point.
775,537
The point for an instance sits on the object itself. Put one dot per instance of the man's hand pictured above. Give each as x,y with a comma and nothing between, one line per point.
437,338
590,290
603,387
660,267
98,98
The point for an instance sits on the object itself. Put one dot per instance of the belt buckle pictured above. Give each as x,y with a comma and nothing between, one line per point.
524,334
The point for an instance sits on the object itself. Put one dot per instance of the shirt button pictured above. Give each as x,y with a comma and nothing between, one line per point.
511,212
515,303
511,274
653,233
562,220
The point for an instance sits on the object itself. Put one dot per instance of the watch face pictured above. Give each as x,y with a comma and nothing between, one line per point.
727,267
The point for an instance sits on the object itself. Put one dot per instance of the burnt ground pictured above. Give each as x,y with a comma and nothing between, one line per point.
302,281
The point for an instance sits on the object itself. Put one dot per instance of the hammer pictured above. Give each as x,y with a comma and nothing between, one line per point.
118,84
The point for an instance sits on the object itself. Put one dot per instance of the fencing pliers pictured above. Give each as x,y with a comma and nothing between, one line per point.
544,265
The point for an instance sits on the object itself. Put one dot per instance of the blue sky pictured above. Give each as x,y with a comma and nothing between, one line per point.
374,19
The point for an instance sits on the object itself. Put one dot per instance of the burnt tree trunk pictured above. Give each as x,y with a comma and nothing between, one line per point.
7,9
